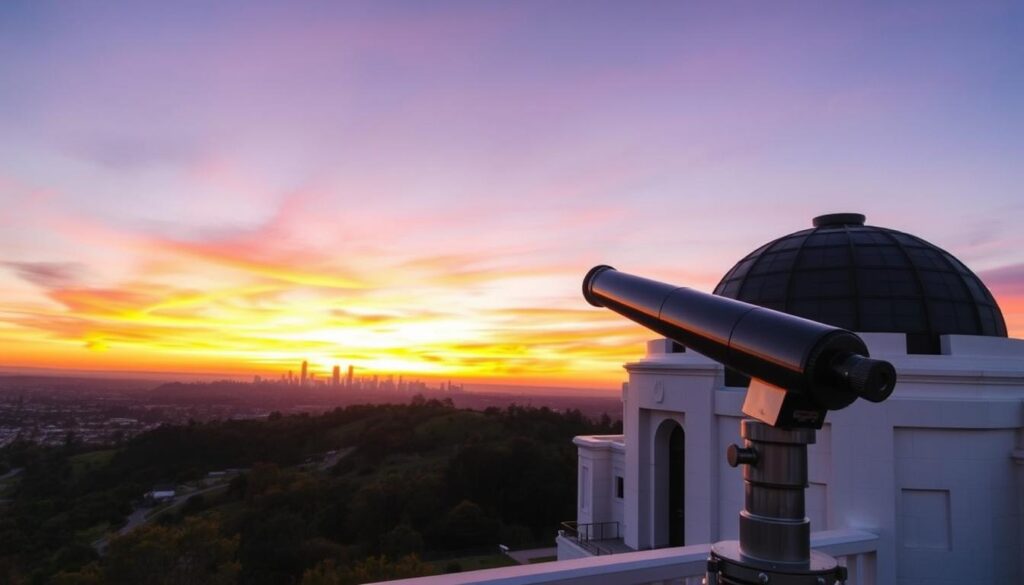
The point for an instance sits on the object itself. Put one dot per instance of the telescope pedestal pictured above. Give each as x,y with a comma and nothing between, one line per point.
775,537
727,566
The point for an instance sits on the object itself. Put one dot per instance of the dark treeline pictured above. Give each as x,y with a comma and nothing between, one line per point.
408,482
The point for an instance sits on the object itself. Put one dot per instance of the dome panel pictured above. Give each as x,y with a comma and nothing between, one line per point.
741,269
867,279
791,242
887,283
868,256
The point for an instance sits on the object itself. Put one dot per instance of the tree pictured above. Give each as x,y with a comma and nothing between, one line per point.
370,569
402,540
271,545
325,573
384,569
193,552
90,574
467,526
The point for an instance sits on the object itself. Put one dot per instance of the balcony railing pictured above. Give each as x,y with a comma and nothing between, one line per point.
669,566
588,536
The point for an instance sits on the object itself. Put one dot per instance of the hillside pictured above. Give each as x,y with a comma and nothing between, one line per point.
327,496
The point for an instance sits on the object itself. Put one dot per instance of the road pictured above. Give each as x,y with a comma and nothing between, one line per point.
11,473
333,459
140,516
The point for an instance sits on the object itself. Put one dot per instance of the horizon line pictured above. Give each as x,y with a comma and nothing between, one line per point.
170,376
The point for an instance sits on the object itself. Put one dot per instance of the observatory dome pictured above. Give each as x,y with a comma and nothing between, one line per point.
867,279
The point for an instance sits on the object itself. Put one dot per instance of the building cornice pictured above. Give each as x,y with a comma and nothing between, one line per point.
700,369
614,443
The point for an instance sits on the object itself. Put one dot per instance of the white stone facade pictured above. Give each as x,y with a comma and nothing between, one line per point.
936,471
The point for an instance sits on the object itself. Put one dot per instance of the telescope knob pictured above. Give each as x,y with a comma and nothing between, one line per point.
737,455
870,379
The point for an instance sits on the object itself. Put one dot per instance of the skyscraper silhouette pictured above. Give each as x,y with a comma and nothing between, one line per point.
336,381
305,367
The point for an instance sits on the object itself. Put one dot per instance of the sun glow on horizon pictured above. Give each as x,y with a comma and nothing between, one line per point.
486,325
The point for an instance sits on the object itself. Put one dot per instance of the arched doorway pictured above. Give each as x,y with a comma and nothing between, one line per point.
676,486
669,479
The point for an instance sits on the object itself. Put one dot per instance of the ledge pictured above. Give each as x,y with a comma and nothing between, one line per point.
665,564
601,442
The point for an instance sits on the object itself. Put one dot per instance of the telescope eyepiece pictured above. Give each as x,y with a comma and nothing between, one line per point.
868,378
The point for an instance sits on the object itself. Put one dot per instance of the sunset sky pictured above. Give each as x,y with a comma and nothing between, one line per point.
419,187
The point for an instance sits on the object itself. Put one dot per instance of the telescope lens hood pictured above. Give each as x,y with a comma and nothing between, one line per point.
588,284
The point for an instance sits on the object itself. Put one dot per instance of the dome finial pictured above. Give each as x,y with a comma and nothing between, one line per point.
839,219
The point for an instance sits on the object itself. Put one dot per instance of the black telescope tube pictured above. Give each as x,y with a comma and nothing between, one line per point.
827,364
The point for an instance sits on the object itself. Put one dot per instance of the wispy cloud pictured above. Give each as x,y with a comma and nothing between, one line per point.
48,275
138,153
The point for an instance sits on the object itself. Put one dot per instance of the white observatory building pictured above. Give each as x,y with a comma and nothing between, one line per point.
935,473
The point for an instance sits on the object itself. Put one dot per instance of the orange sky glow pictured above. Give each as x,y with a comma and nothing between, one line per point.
420,191
257,302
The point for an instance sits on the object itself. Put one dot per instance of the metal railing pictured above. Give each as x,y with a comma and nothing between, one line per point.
587,535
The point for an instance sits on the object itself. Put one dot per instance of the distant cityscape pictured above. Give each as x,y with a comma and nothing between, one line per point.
351,382
56,410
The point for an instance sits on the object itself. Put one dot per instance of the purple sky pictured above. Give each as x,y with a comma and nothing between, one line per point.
472,157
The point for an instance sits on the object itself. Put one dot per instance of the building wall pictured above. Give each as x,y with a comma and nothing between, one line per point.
658,395
618,503
600,460
931,471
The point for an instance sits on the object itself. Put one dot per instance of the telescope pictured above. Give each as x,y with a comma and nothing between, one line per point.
799,370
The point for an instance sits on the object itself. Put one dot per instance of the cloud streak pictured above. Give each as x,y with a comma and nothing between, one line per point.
47,275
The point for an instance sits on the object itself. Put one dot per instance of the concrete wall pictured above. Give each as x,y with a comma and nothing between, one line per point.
932,471
600,460
659,395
